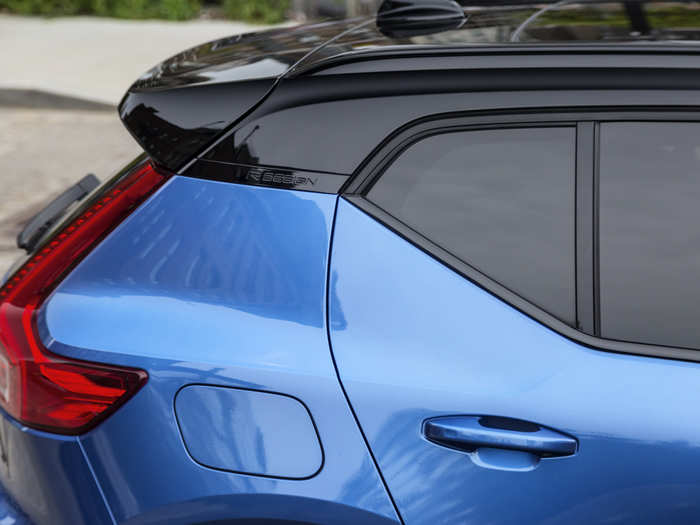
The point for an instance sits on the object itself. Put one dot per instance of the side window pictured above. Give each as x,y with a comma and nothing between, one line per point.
500,200
649,230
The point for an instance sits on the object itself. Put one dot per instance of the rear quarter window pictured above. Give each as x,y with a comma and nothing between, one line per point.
501,200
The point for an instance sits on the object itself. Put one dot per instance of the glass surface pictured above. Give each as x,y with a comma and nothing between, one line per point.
500,200
650,232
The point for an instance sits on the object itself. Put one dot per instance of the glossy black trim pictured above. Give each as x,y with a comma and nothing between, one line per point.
585,157
505,77
268,176
485,119
181,105
343,117
372,168
596,228
427,58
173,125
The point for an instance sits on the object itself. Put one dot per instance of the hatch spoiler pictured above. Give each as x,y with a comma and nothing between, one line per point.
172,125
180,106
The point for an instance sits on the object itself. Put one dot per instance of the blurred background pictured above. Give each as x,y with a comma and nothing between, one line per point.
64,65
253,11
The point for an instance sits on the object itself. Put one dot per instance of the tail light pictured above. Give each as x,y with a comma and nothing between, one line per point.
43,390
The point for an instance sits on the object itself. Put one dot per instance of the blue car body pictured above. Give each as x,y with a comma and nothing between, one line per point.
312,357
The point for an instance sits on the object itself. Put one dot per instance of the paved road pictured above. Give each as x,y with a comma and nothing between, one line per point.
44,151
94,58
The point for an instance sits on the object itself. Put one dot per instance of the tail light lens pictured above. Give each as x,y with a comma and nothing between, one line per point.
43,390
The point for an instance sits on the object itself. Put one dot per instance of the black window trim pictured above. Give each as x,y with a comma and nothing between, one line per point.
587,124
586,285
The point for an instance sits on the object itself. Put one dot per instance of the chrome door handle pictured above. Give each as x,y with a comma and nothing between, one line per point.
469,433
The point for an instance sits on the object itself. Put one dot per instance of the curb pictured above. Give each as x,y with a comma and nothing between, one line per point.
37,99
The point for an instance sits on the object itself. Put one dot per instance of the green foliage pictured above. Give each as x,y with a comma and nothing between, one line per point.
43,7
178,9
166,9
260,11
674,16
264,11
657,16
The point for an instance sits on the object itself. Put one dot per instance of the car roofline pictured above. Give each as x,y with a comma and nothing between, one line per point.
375,60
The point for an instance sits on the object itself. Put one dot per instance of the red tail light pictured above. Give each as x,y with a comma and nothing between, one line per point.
41,389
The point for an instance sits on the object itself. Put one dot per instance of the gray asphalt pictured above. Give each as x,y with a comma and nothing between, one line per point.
61,79
43,151
93,58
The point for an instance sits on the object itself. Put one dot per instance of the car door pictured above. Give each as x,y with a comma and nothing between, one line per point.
514,310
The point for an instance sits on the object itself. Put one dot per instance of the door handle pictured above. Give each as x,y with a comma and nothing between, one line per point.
469,433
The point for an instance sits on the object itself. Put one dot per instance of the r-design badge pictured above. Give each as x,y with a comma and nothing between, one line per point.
279,178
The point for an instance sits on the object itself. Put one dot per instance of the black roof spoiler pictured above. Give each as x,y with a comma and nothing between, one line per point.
172,125
180,106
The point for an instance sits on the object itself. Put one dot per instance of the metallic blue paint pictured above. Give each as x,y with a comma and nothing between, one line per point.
213,290
48,477
414,340
501,459
224,285
248,431
471,433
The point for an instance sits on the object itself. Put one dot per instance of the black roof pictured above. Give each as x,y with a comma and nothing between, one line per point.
182,104
511,23
514,24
